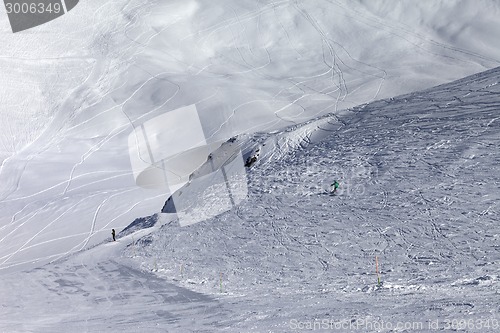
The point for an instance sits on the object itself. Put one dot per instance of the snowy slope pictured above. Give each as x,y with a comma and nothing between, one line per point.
248,66
420,181
419,189
73,91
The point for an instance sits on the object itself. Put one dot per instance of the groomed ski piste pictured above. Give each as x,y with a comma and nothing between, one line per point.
419,190
419,179
319,92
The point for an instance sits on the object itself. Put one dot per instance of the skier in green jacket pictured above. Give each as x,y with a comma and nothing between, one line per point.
335,185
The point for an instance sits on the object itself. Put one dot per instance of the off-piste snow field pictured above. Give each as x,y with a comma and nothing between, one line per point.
244,113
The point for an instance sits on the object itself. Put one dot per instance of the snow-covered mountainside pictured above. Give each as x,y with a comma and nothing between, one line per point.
419,188
93,101
419,180
74,91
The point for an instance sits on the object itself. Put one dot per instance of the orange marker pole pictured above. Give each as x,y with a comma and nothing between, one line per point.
376,270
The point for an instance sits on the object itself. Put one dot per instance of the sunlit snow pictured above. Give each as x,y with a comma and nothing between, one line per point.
92,138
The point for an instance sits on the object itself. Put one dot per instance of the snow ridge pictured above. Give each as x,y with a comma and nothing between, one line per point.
418,177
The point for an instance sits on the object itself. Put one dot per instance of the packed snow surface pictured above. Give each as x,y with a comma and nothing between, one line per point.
419,179
324,90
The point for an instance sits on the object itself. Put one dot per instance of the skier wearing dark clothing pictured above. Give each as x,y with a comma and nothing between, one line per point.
113,234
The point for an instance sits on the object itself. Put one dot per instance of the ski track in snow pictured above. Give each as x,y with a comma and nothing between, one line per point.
112,296
288,252
408,195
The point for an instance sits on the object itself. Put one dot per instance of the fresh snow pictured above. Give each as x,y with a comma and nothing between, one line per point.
324,90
